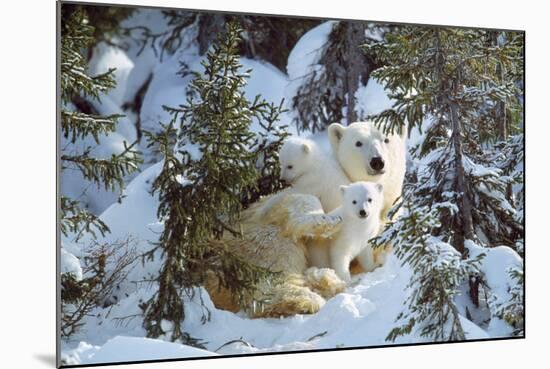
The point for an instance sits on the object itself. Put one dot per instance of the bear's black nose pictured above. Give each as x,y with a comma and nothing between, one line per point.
362,213
377,163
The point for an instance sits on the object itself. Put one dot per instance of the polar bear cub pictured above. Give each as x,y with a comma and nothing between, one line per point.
310,170
362,203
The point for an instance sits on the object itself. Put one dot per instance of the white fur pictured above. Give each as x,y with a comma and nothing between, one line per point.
355,161
310,170
360,213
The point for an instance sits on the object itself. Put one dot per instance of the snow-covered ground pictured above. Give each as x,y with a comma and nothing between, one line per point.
362,315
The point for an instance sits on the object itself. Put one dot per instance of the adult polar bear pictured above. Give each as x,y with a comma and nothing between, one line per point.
366,154
278,235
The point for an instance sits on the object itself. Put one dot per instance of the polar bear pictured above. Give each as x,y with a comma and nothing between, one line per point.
360,212
309,170
367,154
275,231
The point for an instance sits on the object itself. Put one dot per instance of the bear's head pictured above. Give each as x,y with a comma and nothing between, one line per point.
362,200
362,150
295,159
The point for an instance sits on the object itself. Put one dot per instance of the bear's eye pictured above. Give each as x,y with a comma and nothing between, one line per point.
354,202
369,199
289,167
358,144
387,140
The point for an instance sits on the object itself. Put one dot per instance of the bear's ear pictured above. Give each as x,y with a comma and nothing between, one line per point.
343,189
335,134
379,187
306,147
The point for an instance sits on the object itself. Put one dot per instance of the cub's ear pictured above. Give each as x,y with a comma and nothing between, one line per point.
335,134
379,187
306,147
343,189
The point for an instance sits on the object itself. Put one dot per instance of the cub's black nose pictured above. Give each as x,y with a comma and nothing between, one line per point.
362,213
377,163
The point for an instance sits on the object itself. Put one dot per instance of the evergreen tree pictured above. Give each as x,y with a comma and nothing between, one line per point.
449,83
77,35
327,90
438,272
266,38
201,184
513,310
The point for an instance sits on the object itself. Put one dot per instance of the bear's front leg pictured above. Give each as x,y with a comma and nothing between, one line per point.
340,260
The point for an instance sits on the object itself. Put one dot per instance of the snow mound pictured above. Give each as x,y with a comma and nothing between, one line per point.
496,267
121,349
70,264
372,99
105,57
308,50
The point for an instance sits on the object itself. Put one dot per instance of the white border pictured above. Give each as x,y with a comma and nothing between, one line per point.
27,184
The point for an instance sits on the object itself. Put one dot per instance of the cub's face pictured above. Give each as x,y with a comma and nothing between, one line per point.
362,150
295,159
362,199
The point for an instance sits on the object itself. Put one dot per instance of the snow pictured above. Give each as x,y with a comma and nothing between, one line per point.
167,88
105,57
70,264
495,266
372,99
72,182
478,170
304,59
124,349
308,50
134,218
362,315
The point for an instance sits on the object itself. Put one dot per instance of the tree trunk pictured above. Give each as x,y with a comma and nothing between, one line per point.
209,26
500,110
466,230
355,64
465,227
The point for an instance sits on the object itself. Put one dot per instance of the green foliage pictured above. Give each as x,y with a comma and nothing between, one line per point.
79,221
108,173
77,34
428,68
79,297
327,92
438,271
266,38
462,89
210,157
105,20
513,310
266,149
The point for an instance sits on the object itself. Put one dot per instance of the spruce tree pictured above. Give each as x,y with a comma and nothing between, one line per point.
450,83
327,90
267,38
77,36
513,310
209,162
438,272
